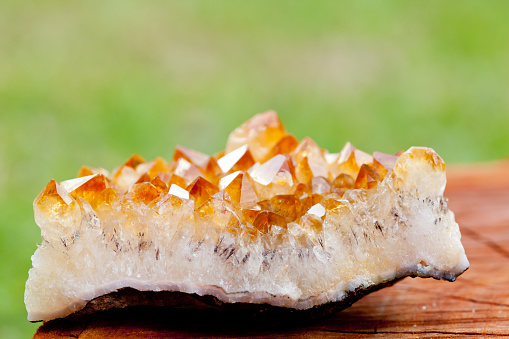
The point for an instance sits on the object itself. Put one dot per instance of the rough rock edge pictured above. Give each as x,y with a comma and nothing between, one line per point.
128,297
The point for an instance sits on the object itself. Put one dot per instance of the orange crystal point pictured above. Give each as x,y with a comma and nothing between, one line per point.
104,199
85,171
158,166
268,172
285,146
186,170
303,172
218,211
249,214
56,206
265,221
198,159
379,168
302,191
134,161
177,180
239,188
160,184
144,178
367,177
212,172
261,133
308,148
144,192
332,202
232,184
53,194
86,187
201,164
237,160
200,189
287,206
343,181
349,167
125,176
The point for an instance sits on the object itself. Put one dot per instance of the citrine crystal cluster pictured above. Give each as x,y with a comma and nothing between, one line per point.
268,220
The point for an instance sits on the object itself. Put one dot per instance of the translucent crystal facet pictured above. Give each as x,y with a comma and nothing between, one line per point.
269,220
261,133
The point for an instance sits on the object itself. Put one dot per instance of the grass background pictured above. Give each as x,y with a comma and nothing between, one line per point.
93,82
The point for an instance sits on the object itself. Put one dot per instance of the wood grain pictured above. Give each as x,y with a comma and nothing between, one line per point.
476,305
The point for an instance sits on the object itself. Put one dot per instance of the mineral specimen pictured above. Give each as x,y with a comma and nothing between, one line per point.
268,221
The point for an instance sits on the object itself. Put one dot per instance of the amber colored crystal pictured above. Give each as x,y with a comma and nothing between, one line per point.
265,178
285,146
308,148
186,170
376,170
159,166
134,161
200,189
177,180
343,181
217,211
57,206
288,206
302,191
244,163
212,171
332,202
249,214
379,168
261,133
264,205
160,184
85,171
239,188
311,200
104,199
265,221
303,172
53,197
198,159
349,167
88,189
367,178
275,170
125,176
144,178
144,192
237,160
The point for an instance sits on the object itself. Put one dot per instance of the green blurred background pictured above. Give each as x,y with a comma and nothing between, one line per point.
93,82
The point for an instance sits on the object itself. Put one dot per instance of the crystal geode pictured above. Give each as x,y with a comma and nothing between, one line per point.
270,220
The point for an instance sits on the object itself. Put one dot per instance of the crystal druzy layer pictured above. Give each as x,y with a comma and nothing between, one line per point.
268,220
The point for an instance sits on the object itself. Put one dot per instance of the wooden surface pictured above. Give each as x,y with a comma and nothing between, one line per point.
476,305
